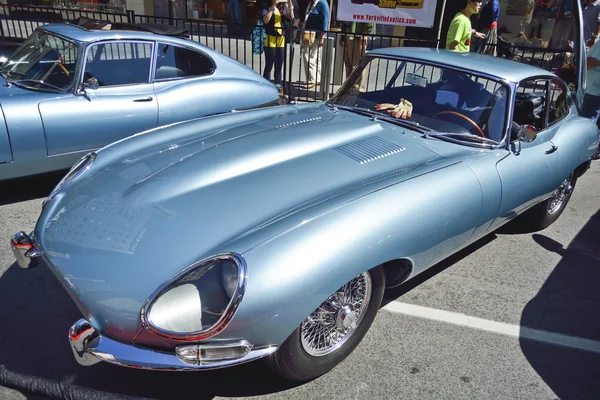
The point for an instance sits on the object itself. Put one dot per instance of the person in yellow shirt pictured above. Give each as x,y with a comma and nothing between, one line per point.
460,31
274,17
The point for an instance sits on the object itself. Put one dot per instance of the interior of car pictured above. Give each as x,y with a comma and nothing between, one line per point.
455,103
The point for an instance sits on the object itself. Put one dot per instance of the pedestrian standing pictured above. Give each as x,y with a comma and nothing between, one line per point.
591,22
316,23
274,18
235,11
488,25
460,31
355,46
591,98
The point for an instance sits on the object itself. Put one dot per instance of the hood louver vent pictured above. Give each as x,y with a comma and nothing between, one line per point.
368,150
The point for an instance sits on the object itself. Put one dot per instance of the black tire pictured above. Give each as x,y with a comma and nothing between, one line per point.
544,214
292,362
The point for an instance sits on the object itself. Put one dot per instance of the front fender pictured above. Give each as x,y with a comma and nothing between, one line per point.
424,219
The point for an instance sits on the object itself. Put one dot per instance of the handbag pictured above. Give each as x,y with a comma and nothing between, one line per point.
308,37
258,38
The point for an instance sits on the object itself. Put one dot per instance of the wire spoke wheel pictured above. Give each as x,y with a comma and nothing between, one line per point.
561,195
336,319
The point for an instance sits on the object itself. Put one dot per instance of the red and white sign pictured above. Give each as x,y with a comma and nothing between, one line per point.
390,12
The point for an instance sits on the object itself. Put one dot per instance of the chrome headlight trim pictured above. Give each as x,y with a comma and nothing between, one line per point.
223,321
78,169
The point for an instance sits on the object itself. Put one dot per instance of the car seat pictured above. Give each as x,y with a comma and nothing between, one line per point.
529,109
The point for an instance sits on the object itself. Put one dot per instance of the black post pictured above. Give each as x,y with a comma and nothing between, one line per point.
131,16
4,17
172,11
291,62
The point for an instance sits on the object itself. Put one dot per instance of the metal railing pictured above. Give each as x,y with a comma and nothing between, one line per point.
337,55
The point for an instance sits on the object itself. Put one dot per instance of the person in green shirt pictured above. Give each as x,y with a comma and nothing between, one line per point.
460,31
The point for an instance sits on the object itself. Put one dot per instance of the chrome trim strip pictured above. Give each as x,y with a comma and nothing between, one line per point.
24,250
89,348
225,318
78,169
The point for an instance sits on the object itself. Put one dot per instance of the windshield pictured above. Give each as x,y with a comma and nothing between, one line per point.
43,61
438,99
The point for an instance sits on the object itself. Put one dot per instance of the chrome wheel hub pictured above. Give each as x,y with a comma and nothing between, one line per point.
346,318
560,195
334,321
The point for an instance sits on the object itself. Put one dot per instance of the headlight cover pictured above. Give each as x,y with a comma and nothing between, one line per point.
76,171
199,302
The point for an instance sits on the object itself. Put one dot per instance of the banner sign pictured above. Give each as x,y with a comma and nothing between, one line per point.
419,13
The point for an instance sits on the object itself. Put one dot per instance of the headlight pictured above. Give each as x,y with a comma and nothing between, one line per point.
199,302
76,171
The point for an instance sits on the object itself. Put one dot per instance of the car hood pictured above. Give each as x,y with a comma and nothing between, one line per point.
159,201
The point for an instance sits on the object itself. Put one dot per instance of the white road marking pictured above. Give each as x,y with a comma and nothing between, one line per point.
501,328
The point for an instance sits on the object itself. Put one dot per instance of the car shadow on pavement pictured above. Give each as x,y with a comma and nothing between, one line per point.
36,314
35,187
568,304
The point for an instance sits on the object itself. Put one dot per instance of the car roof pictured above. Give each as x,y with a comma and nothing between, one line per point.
498,67
80,34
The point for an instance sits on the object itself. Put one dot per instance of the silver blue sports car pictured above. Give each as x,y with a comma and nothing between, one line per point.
273,233
69,90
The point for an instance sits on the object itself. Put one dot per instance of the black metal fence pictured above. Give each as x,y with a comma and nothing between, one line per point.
335,57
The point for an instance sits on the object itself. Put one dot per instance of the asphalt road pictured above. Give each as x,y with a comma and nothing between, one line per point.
541,282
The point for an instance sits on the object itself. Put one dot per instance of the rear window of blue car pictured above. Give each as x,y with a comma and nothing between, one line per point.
178,62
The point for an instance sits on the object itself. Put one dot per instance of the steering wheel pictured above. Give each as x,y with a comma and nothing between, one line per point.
469,120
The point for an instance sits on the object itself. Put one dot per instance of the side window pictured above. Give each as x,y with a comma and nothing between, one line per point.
177,62
119,63
560,102
530,103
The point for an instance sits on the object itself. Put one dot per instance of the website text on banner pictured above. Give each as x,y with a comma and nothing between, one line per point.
391,12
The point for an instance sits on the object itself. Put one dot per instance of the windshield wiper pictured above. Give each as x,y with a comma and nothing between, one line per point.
38,82
384,117
477,138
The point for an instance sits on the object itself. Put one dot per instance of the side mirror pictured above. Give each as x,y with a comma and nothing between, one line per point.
91,83
527,133
522,133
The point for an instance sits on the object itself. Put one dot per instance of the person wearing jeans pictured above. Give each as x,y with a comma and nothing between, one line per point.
235,10
316,23
591,99
355,47
273,17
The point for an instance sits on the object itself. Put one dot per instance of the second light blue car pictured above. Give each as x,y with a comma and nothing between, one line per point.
68,90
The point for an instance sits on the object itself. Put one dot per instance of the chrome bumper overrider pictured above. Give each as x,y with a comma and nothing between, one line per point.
24,250
89,347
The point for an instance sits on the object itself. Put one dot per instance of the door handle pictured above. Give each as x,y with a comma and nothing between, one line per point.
552,149
149,98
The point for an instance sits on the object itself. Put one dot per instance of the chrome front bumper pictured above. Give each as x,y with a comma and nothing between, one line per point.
23,247
89,348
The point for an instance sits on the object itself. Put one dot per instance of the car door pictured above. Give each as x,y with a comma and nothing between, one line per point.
529,172
568,141
183,84
122,104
